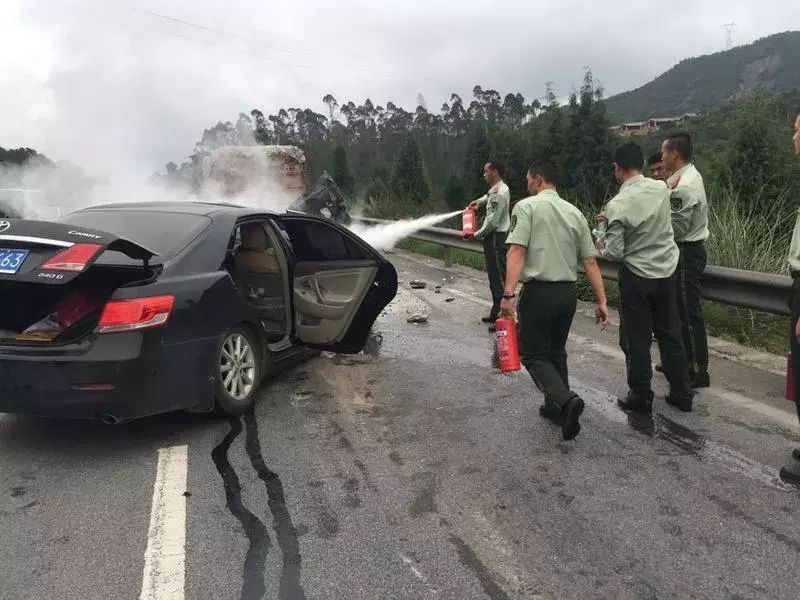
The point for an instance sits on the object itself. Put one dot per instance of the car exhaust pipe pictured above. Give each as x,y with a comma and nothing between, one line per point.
107,419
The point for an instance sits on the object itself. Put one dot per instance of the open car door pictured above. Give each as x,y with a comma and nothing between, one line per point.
340,284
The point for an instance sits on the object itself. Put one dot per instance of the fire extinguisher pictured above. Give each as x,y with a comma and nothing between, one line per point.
507,348
468,222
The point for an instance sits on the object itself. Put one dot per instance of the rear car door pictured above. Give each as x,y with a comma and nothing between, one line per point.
340,284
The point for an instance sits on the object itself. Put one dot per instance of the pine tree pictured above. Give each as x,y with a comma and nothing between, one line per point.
408,179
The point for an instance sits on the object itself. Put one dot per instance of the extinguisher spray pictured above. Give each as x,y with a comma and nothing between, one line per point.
507,347
468,222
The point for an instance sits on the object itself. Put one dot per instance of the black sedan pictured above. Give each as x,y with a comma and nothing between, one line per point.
122,311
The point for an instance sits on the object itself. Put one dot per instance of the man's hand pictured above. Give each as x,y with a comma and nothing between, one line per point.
797,330
473,205
507,308
600,243
601,315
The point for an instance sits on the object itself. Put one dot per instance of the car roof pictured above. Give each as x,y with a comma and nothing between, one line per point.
192,207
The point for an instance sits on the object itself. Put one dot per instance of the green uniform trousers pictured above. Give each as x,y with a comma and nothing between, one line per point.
544,314
648,306
794,344
494,250
689,282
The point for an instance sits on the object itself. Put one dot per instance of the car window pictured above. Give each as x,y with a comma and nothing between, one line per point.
165,233
317,241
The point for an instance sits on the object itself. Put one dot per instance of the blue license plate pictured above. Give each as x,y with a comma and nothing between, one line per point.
11,260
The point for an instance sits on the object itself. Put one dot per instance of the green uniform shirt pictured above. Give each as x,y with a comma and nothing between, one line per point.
639,230
689,205
794,249
497,203
555,235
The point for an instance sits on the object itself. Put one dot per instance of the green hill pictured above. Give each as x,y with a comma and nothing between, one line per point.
770,65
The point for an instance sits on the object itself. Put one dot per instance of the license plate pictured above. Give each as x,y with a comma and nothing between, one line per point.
11,260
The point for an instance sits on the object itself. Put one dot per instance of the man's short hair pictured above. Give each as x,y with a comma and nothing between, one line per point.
682,143
655,159
496,165
629,156
546,170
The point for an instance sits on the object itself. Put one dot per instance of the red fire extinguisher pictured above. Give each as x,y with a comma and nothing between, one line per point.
507,348
468,222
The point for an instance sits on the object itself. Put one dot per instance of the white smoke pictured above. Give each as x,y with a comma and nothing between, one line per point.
384,237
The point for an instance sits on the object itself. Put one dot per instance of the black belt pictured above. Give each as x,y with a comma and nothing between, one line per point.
690,244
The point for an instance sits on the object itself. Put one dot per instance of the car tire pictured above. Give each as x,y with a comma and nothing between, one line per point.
237,372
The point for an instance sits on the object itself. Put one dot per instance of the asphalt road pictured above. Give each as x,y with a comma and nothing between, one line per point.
414,471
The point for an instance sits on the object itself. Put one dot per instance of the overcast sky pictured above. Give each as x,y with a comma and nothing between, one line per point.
127,85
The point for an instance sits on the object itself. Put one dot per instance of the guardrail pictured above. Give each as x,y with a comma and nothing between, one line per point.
764,292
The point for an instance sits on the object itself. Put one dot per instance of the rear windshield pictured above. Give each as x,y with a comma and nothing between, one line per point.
165,233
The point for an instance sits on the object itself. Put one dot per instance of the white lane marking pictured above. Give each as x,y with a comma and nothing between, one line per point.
411,564
165,557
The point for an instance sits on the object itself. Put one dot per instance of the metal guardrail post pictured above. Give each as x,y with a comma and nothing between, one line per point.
765,292
449,256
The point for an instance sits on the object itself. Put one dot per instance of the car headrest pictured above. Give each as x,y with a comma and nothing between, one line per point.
254,237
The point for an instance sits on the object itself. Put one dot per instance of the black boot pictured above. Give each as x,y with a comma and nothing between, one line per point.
683,404
550,413
796,454
632,403
700,380
571,414
791,473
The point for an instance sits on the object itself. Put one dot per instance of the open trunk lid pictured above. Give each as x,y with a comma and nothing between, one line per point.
56,253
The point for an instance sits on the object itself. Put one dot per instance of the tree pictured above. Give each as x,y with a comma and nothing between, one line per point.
340,171
454,193
408,180
756,159
478,151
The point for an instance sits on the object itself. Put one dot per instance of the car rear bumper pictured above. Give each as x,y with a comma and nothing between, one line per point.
124,376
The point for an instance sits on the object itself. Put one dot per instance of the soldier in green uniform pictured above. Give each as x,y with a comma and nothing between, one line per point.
493,232
639,236
657,169
791,472
690,225
547,240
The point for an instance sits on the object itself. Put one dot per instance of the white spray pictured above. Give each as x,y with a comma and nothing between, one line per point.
384,237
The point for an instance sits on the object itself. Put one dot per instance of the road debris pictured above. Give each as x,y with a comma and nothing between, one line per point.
418,316
449,299
416,284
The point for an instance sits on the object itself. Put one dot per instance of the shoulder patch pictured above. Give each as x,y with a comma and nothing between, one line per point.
513,223
676,202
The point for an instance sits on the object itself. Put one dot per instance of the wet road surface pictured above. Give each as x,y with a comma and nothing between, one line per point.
415,471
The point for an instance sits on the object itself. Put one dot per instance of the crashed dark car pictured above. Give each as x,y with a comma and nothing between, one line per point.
123,311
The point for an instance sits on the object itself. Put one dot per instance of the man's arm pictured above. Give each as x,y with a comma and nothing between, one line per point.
612,244
515,260
479,203
494,213
596,281
682,204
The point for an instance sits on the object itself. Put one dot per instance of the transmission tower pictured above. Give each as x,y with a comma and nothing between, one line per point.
549,95
729,40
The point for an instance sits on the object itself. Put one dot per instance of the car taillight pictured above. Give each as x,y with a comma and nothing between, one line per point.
73,258
135,313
